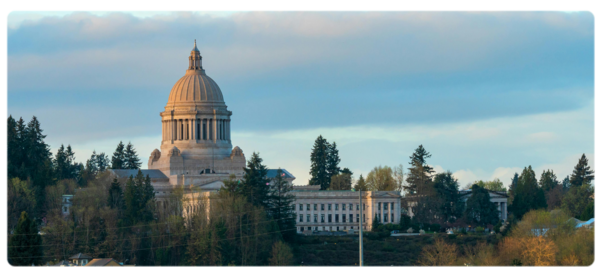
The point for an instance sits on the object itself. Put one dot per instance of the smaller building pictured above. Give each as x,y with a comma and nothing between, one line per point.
103,262
67,203
80,259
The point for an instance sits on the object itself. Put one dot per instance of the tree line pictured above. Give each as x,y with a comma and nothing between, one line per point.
30,159
435,198
251,221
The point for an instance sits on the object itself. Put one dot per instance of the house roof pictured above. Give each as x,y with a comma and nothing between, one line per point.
101,262
125,173
80,256
272,173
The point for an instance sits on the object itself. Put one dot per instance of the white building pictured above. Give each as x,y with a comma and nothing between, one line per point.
339,210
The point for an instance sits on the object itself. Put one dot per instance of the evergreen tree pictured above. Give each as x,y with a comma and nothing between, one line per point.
282,206
361,184
566,183
548,180
118,157
102,162
14,148
480,210
420,174
341,182
25,245
148,199
60,163
131,197
115,195
582,174
528,195
346,171
255,183
577,199
446,187
132,161
318,163
333,160
512,188
65,166
37,163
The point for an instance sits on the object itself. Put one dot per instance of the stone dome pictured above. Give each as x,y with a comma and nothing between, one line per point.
194,87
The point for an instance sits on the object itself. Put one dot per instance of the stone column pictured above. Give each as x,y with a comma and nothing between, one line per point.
201,129
180,129
214,130
190,129
194,129
175,134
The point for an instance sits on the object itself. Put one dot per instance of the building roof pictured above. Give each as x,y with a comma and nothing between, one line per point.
153,173
272,173
101,262
589,223
80,256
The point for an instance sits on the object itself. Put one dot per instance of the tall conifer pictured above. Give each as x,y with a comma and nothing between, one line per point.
25,245
132,161
582,174
37,163
14,148
318,163
282,206
118,157
420,174
255,183
479,208
528,194
115,195
333,161
361,184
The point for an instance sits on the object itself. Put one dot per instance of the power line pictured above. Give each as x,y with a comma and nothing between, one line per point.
150,236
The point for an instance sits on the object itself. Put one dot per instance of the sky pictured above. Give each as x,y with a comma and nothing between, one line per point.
486,93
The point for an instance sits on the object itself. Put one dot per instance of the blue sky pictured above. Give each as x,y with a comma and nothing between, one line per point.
485,93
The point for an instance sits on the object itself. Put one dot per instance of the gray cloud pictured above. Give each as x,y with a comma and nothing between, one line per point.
282,71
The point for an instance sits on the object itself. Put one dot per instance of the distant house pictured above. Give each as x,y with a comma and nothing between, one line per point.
103,262
80,259
67,202
586,224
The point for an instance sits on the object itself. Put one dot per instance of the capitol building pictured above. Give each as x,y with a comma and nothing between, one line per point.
196,152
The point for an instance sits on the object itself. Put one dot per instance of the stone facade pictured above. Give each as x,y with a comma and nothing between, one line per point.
339,210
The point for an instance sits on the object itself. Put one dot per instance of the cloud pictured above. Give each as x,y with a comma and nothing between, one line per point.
486,93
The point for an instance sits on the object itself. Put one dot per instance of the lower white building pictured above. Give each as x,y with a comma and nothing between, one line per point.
318,210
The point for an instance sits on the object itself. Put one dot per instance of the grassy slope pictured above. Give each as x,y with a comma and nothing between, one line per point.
397,251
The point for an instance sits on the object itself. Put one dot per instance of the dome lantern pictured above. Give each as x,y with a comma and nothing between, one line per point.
195,59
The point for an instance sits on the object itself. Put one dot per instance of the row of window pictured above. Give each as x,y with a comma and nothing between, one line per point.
300,207
301,229
337,218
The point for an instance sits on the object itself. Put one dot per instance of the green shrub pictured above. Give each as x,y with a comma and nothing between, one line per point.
451,236
435,227
479,230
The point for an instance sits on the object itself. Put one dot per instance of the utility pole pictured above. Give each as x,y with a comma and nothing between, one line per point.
360,234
